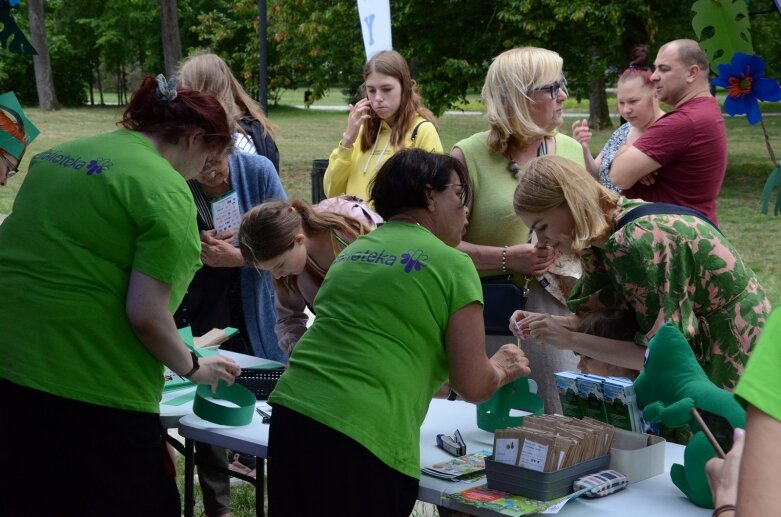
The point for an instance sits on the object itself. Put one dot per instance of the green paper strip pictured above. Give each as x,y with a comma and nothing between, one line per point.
181,399
272,365
224,415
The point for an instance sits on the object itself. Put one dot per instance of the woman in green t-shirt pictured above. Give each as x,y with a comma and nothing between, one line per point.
398,314
96,254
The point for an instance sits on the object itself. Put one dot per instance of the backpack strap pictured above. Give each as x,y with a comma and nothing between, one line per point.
662,209
415,130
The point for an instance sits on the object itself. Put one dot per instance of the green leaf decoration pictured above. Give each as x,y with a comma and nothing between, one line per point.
11,36
773,182
729,24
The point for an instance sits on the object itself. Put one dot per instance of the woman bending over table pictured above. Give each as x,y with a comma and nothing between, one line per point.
398,314
297,243
669,268
97,253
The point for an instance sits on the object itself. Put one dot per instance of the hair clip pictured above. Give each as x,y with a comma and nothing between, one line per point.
166,90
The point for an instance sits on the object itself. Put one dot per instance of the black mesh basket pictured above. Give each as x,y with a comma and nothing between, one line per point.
260,381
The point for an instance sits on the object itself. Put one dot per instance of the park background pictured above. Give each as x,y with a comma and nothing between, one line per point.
98,51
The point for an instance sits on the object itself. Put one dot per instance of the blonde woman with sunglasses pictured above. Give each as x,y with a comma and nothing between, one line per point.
524,93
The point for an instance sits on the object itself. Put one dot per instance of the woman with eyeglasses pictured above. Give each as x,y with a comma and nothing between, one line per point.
97,253
398,314
225,293
16,133
524,93
638,104
296,243
389,118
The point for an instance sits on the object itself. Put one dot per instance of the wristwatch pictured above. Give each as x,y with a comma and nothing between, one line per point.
196,365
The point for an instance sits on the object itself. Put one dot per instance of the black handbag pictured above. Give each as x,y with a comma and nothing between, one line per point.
501,298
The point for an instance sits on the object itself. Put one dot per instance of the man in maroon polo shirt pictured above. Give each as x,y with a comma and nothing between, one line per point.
682,157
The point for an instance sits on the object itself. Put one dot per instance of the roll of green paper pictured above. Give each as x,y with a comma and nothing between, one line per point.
207,409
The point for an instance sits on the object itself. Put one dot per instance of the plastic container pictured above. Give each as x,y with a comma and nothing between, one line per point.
494,413
542,486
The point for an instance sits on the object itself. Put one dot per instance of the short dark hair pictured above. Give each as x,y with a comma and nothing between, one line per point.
402,180
182,116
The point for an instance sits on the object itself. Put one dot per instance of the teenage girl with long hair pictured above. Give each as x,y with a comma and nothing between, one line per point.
391,117
297,243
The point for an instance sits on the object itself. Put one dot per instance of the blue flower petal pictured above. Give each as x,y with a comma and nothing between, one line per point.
757,67
766,89
721,80
726,70
745,62
740,60
734,106
753,115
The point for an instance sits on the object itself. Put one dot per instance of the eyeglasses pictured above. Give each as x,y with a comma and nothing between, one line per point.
553,89
463,195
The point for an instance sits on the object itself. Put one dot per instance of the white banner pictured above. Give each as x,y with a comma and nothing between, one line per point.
375,25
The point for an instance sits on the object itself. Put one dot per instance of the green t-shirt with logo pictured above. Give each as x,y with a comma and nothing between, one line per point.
758,385
375,354
89,212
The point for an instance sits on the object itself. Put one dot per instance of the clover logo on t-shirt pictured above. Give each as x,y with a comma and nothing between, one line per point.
413,259
98,165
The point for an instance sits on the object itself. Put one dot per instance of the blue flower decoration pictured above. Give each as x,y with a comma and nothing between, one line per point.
743,79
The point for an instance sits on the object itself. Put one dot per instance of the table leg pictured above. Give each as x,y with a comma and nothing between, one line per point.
173,442
260,488
189,474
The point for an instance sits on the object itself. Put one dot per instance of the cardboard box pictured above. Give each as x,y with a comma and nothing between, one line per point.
621,404
638,456
568,394
592,399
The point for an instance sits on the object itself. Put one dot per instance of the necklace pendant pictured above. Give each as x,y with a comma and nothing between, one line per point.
515,170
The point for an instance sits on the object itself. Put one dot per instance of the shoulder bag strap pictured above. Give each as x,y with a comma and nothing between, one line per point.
661,209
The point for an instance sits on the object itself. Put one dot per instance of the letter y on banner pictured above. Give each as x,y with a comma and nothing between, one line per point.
375,25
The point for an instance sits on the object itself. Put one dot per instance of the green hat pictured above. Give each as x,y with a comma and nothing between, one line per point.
10,104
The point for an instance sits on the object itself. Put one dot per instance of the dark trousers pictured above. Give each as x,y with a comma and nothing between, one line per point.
314,470
64,457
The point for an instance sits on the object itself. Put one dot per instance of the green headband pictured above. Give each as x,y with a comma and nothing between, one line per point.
10,104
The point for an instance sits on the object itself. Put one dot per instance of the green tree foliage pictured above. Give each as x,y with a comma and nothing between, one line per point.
317,44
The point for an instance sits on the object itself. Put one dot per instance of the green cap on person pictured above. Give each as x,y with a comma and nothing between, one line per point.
9,143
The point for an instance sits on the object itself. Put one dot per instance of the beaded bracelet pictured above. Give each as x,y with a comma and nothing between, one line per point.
504,259
724,508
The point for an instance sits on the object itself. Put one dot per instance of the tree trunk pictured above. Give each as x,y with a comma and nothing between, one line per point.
100,86
44,82
172,46
598,114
